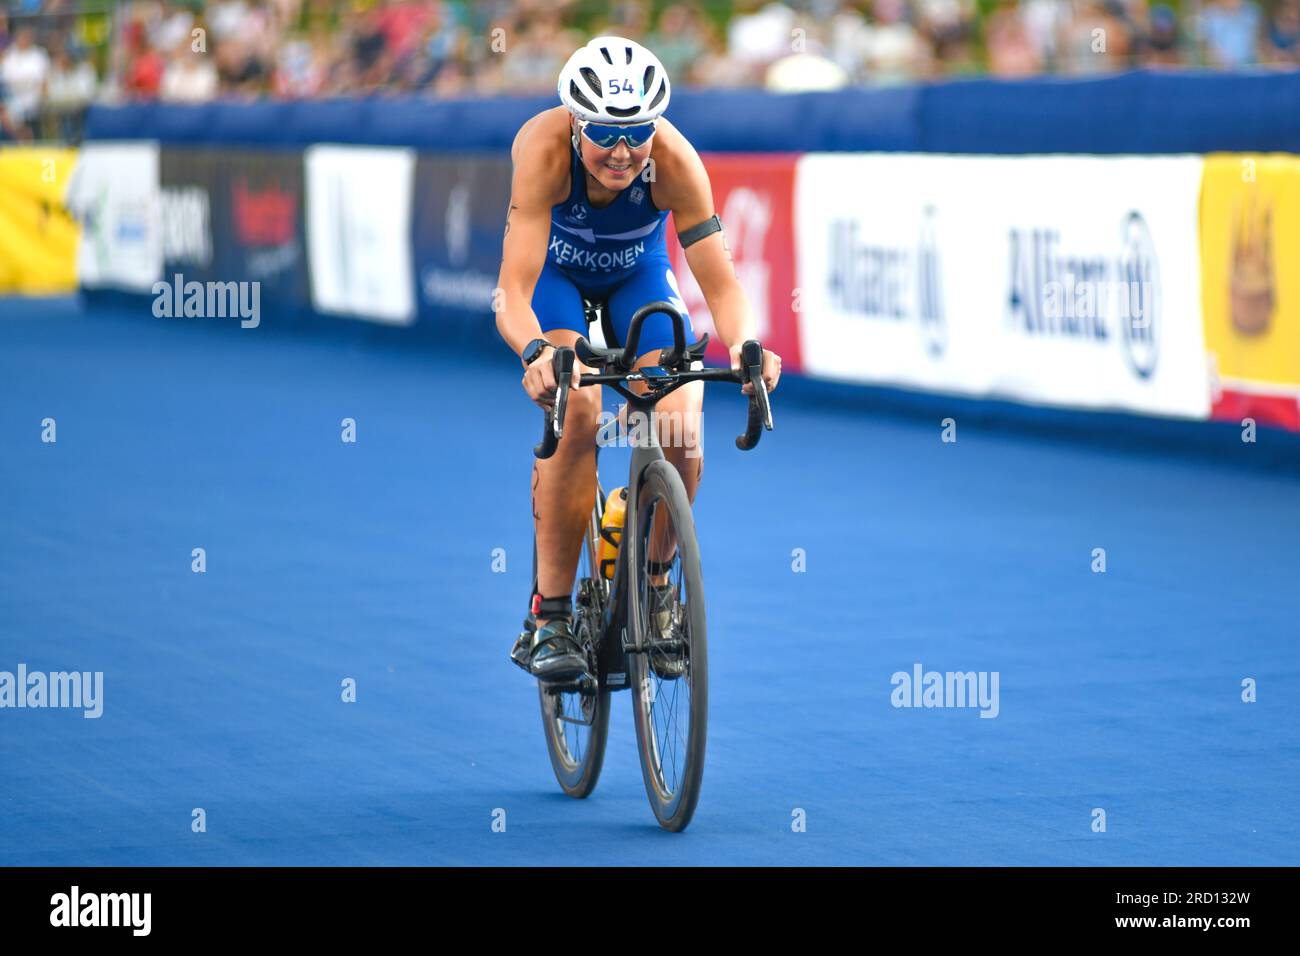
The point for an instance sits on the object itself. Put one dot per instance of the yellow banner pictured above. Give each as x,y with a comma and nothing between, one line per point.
1250,267
38,238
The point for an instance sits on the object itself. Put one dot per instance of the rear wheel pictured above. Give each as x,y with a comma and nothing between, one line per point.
670,690
576,719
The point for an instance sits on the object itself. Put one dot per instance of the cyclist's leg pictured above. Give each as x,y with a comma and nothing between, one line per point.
678,415
564,485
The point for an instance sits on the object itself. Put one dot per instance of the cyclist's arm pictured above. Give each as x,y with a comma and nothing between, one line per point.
681,185
540,171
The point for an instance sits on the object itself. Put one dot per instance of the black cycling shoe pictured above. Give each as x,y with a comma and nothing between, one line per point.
668,662
556,656
523,648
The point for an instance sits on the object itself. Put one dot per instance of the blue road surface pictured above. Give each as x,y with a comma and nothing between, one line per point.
374,561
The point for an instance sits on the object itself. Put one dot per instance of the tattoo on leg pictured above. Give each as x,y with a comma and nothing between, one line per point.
537,479
512,208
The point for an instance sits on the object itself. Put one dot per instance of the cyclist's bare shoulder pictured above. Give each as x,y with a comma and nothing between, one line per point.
679,176
540,154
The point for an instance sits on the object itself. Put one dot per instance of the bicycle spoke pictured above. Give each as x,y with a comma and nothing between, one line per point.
572,715
668,710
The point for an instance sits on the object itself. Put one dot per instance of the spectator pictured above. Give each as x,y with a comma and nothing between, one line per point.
534,61
189,77
452,81
68,92
1094,41
227,19
1230,30
369,42
171,28
850,40
680,40
302,68
144,77
949,26
441,41
297,49
1164,42
759,37
717,69
896,51
628,18
1046,22
808,67
447,33
945,21
1134,19
402,23
1282,42
1011,46
801,72
24,69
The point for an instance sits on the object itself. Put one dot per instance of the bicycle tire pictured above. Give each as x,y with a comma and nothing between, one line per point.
673,806
577,774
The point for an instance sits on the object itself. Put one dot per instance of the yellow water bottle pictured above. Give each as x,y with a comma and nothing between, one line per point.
611,532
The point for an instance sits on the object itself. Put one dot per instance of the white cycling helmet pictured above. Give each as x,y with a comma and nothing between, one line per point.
613,80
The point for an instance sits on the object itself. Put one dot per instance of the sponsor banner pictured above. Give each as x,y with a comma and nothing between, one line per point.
359,231
752,194
459,217
38,236
236,216
1250,247
1062,280
114,194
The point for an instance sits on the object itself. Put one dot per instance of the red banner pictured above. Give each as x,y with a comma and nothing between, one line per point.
754,196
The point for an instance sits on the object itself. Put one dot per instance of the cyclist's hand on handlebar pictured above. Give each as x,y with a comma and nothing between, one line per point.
771,368
539,378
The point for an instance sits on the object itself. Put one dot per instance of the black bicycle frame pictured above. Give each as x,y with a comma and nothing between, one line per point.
623,602
672,373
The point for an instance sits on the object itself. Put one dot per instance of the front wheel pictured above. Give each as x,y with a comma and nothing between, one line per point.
670,689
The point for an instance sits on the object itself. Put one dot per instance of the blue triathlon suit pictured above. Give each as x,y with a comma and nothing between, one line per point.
615,254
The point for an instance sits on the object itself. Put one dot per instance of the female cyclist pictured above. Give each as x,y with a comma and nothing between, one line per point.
594,182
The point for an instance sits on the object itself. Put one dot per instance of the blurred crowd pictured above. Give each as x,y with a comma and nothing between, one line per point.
57,56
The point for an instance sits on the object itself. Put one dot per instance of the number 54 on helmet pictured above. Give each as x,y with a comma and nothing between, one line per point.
614,80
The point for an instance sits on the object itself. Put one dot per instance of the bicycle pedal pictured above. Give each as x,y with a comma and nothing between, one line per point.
523,650
585,685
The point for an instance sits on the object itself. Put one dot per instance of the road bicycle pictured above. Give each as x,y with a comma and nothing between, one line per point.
655,644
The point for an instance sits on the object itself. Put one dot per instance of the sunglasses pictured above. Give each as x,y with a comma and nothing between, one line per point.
606,136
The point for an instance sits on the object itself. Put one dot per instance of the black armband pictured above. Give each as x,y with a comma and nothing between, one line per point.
694,234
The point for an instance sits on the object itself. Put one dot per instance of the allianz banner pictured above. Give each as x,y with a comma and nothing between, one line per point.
1060,280
1250,245
235,216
